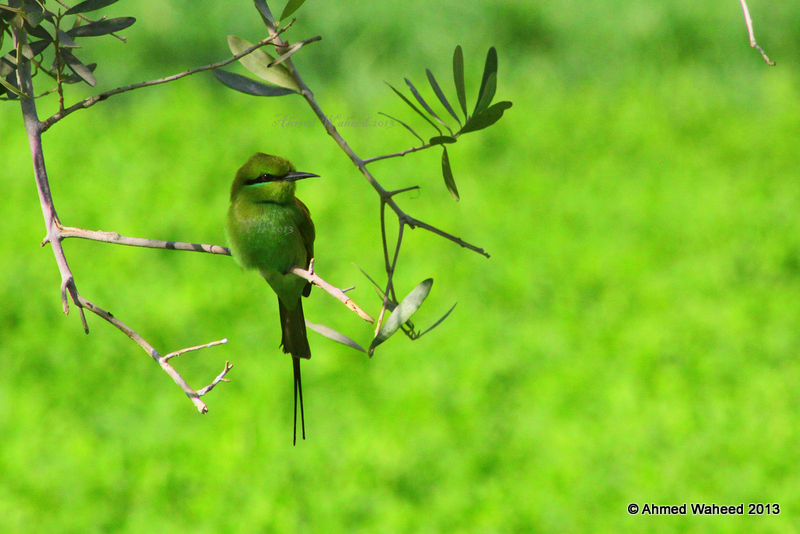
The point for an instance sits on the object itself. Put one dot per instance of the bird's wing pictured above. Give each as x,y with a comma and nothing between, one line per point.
308,233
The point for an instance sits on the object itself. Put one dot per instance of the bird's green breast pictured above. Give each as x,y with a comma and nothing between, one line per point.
265,235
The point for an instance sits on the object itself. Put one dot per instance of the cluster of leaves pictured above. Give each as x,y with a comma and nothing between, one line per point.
281,82
45,30
262,64
483,115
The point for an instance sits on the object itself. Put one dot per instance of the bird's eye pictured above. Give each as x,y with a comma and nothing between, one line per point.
266,177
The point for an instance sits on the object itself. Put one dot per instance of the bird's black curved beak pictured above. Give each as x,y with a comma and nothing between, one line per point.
294,176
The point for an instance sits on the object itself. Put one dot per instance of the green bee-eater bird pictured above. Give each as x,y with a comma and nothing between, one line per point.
269,229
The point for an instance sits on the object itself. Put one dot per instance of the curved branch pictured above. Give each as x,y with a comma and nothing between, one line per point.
92,100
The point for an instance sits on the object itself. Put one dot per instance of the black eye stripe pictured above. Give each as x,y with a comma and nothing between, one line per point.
266,177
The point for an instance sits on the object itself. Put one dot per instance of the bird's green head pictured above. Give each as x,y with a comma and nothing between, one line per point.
266,178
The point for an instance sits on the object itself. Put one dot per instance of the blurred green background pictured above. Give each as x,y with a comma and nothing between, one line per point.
633,338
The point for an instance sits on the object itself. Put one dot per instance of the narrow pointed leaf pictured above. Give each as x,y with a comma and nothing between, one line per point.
486,118
374,283
263,9
425,105
488,69
407,127
33,12
440,95
71,78
442,140
488,95
10,87
78,68
458,78
258,63
102,27
407,307
291,7
6,66
65,40
246,85
89,6
37,47
27,51
330,333
407,101
447,172
437,323
39,32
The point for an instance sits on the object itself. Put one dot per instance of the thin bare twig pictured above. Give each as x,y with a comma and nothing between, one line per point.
403,190
198,347
315,279
389,294
749,22
64,232
92,100
397,154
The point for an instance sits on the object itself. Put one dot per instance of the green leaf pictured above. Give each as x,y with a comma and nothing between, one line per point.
485,118
374,283
442,140
78,68
258,63
440,95
89,5
65,40
404,124
291,7
39,32
6,67
407,101
266,14
330,333
448,175
33,12
249,86
489,71
10,87
488,95
458,78
400,316
37,47
437,323
71,78
425,104
102,27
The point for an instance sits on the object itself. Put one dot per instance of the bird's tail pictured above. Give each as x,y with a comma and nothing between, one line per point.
295,342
